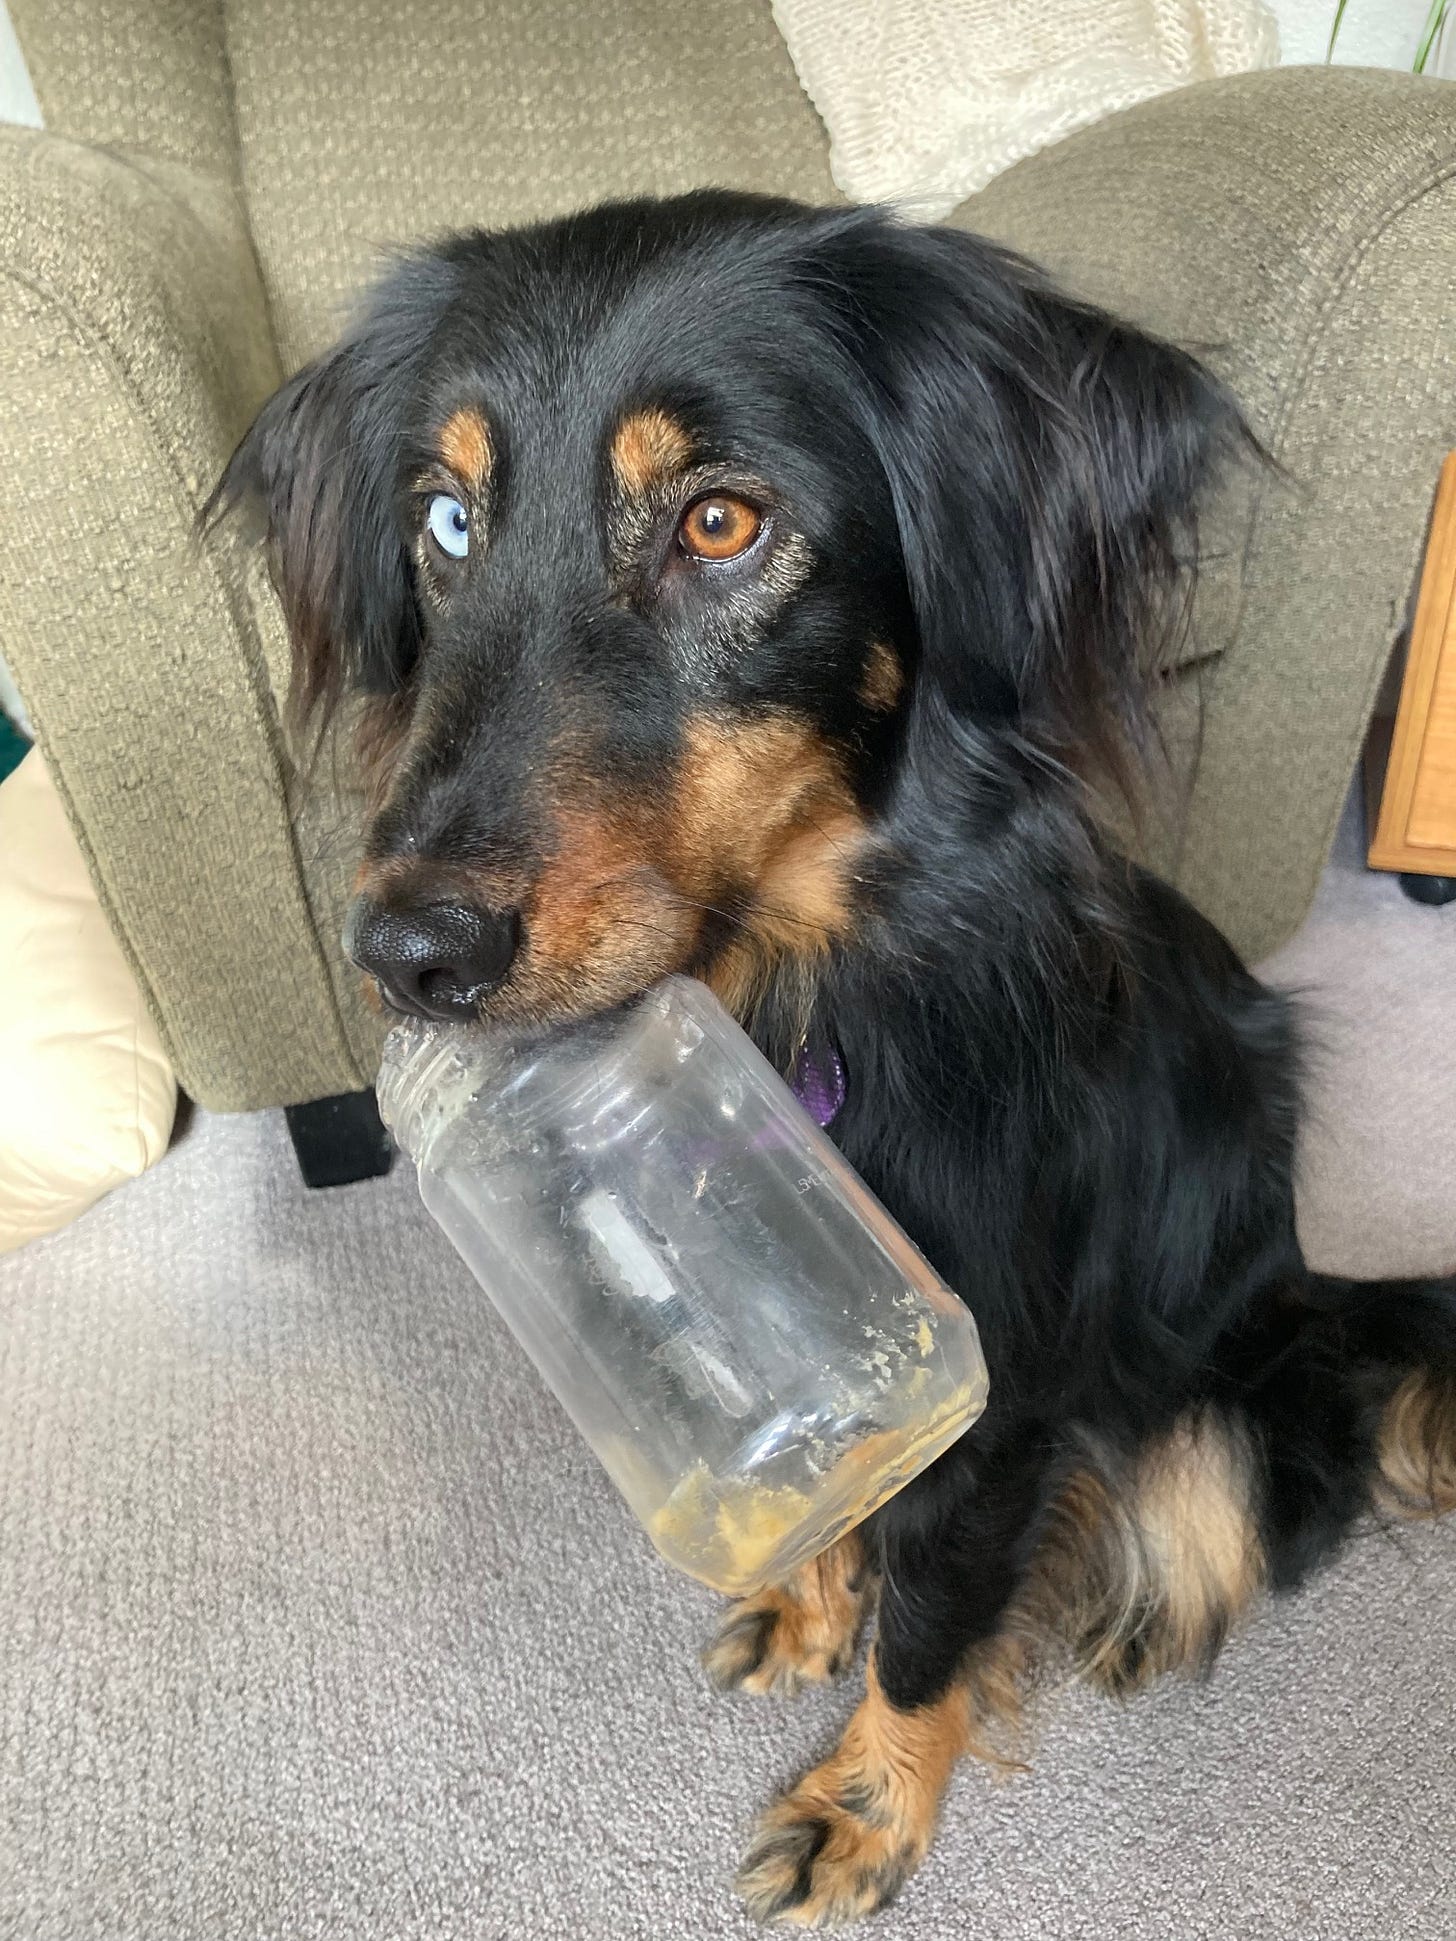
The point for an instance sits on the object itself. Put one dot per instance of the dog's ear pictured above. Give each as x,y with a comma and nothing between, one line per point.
319,471
1046,465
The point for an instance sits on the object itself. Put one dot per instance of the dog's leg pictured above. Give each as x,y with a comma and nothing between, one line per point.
945,1675
800,1632
842,1842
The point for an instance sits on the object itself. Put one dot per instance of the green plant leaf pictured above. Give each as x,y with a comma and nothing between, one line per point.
1435,21
1335,32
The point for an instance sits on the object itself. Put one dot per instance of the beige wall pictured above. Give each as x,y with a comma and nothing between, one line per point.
17,97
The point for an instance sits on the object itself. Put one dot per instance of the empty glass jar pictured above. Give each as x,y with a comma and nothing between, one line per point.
752,1347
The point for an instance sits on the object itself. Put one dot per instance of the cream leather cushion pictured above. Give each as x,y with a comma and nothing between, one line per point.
87,1096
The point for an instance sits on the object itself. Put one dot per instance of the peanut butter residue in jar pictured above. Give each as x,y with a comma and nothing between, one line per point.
737,1533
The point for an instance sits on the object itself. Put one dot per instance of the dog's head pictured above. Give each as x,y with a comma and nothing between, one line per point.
677,551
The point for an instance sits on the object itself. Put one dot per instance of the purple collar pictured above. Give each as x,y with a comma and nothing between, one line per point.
818,1083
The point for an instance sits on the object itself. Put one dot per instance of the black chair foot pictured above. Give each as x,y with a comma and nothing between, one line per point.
339,1140
1435,890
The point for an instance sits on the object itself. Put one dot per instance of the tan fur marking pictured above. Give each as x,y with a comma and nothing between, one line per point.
842,1841
759,809
796,1633
883,680
465,446
765,808
578,894
1081,1596
1194,1511
648,448
602,920
1136,1575
801,908
1417,1448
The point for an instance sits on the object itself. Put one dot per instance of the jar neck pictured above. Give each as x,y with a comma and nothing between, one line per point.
432,1073
427,1073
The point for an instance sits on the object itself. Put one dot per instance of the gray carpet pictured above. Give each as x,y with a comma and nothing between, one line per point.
320,1622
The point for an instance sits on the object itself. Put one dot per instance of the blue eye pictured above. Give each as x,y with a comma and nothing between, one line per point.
449,525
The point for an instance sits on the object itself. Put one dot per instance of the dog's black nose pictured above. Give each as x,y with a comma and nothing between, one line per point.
438,961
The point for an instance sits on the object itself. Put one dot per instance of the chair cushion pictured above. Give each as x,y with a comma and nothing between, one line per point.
364,123
86,1093
122,76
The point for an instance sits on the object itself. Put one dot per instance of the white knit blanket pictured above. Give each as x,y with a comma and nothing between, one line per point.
926,100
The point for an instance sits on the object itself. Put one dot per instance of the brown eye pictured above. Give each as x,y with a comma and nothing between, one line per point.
718,527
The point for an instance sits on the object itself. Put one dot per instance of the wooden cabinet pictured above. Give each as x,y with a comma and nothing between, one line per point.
1415,830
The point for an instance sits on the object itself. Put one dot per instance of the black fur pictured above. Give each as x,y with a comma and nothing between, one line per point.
1061,1079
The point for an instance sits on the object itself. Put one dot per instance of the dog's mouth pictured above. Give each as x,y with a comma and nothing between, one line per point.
589,945
451,955
745,857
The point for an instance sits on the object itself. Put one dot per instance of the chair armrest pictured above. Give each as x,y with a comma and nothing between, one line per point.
1298,229
134,348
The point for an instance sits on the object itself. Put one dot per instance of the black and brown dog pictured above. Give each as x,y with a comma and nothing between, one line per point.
733,587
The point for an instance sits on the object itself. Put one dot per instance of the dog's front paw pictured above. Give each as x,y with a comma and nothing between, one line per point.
799,1633
827,1854
771,1644
845,1839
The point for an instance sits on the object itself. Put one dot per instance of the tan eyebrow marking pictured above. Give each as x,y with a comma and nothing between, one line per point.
648,447
465,446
